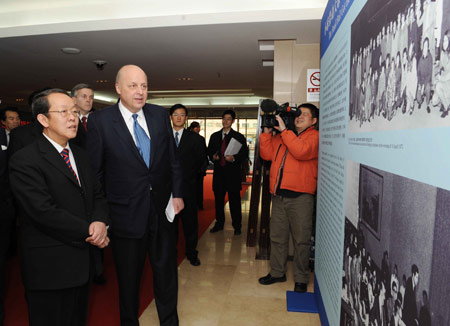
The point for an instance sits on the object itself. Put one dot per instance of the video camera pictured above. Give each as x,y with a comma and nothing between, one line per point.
270,108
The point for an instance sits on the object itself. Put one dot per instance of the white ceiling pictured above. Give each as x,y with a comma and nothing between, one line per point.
217,50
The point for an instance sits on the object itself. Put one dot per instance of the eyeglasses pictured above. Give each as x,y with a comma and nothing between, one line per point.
65,113
178,115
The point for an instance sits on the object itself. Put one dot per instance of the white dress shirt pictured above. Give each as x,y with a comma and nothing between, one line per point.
180,133
59,148
129,121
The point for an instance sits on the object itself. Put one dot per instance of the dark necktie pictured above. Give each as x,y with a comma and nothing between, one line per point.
142,140
177,140
84,122
65,155
223,147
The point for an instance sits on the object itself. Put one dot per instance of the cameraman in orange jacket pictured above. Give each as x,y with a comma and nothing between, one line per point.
293,182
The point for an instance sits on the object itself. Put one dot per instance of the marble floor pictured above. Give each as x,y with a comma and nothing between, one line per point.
224,289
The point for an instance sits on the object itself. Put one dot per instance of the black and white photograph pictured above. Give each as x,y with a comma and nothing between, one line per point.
400,65
398,276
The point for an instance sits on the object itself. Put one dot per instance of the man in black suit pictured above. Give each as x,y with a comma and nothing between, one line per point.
227,172
195,127
83,98
62,214
410,316
192,155
133,153
10,119
6,220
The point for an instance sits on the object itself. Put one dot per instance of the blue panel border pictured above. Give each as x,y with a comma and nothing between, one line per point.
332,18
320,305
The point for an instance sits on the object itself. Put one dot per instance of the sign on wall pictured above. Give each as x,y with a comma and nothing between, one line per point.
313,85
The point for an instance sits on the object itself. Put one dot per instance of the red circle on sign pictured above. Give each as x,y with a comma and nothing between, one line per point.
315,79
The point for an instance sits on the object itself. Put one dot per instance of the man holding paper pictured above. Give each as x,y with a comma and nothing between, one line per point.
133,153
227,148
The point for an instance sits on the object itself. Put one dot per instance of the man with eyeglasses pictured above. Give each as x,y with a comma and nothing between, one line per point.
192,155
62,214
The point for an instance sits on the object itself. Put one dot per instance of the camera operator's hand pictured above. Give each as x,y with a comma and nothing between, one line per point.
281,126
267,130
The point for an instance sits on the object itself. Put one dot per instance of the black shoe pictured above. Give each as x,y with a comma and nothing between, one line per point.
194,261
216,228
237,232
99,279
300,287
269,279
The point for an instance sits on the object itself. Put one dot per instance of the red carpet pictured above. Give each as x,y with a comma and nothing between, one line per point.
104,299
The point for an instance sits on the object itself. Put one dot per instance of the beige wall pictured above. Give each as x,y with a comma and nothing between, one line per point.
291,62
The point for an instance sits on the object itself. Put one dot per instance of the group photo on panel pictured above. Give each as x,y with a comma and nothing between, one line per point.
400,65
75,181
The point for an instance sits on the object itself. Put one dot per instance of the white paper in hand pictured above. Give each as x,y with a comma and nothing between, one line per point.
170,211
233,147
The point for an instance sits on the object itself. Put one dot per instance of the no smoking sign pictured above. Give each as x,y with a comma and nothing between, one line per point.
313,85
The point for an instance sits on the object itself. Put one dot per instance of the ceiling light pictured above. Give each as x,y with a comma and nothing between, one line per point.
185,78
267,63
266,46
71,50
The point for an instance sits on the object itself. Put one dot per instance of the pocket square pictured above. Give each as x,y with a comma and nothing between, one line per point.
4,148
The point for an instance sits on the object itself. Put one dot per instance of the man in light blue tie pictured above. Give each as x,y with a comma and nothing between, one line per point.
133,153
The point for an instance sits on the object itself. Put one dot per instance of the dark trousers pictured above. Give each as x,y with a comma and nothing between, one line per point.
5,235
67,307
189,220
234,198
129,257
97,260
200,191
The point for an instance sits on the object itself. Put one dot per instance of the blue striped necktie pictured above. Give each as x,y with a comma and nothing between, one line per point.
177,140
65,155
142,140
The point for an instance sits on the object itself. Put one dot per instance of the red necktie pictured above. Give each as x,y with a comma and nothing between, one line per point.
84,122
65,155
223,147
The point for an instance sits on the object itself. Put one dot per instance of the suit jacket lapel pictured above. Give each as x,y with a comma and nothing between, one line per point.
54,158
183,139
80,167
123,132
152,126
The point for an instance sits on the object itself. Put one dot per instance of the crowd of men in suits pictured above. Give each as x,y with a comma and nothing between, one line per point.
82,179
405,67
377,296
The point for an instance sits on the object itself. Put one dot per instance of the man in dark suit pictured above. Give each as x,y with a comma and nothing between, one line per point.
227,172
10,119
6,220
410,316
192,155
195,127
62,214
83,98
133,153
